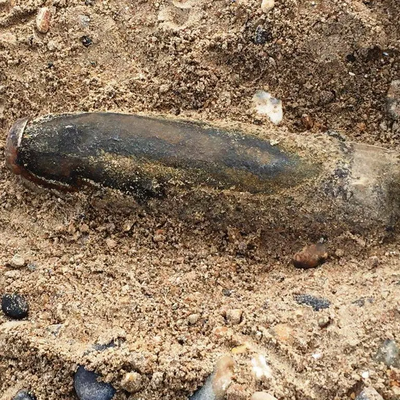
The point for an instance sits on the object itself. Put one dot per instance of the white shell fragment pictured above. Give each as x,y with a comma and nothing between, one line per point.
260,367
265,104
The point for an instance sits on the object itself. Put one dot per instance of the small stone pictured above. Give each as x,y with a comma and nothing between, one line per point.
111,244
193,318
43,20
132,382
266,104
324,321
316,303
389,354
267,5
261,35
127,226
234,316
261,369
87,386
17,261
369,393
86,41
24,395
361,301
310,257
393,100
15,306
218,382
262,396
84,20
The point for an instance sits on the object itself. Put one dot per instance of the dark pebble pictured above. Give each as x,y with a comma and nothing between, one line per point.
24,395
102,347
389,354
14,306
361,301
87,386
86,41
316,303
261,35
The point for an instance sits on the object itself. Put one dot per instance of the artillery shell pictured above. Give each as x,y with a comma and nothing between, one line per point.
147,156
228,177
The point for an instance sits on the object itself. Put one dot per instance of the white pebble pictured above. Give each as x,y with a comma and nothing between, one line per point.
260,367
265,104
193,318
316,356
17,261
267,5
365,375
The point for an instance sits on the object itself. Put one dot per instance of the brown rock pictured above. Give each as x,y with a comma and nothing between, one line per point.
234,316
132,382
43,20
310,257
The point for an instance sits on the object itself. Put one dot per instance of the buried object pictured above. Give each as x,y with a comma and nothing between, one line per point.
327,188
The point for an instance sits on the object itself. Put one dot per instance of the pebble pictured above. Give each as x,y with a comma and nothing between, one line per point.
86,41
218,382
267,5
43,20
316,303
324,321
132,382
393,100
14,306
262,396
261,35
369,393
389,354
24,395
87,386
193,318
84,20
361,301
266,104
310,257
260,368
234,316
17,261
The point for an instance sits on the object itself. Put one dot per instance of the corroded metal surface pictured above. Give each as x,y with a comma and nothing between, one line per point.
145,155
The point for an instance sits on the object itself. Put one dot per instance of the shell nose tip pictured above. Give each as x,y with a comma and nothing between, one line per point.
13,143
